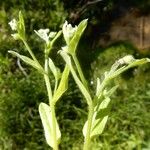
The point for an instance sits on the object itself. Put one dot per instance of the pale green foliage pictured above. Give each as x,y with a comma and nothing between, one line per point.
63,85
75,39
29,61
102,99
46,115
99,105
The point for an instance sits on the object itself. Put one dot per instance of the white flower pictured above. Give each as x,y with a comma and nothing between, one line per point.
68,31
13,24
45,35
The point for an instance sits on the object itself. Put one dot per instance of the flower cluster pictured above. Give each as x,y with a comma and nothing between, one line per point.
18,27
45,34
68,31
13,24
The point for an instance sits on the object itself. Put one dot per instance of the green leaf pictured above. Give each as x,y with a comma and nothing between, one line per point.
104,108
100,118
133,63
28,60
46,115
21,26
54,69
139,62
111,91
56,37
75,40
98,85
99,126
103,112
56,72
63,85
116,71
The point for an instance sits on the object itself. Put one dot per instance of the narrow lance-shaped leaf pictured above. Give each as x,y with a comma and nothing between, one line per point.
46,115
126,60
21,26
102,111
99,126
98,85
111,91
103,108
75,40
99,120
54,69
56,37
116,72
132,64
28,61
63,85
101,117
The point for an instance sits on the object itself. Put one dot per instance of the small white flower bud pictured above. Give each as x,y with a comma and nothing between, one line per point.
68,31
13,24
43,33
16,36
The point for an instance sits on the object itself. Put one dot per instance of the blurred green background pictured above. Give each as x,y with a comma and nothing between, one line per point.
128,127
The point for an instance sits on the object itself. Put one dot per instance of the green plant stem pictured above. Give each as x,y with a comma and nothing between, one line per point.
48,86
54,126
89,126
30,51
80,71
47,81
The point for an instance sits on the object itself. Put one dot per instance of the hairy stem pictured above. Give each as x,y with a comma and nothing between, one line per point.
30,51
54,127
47,81
80,71
89,126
